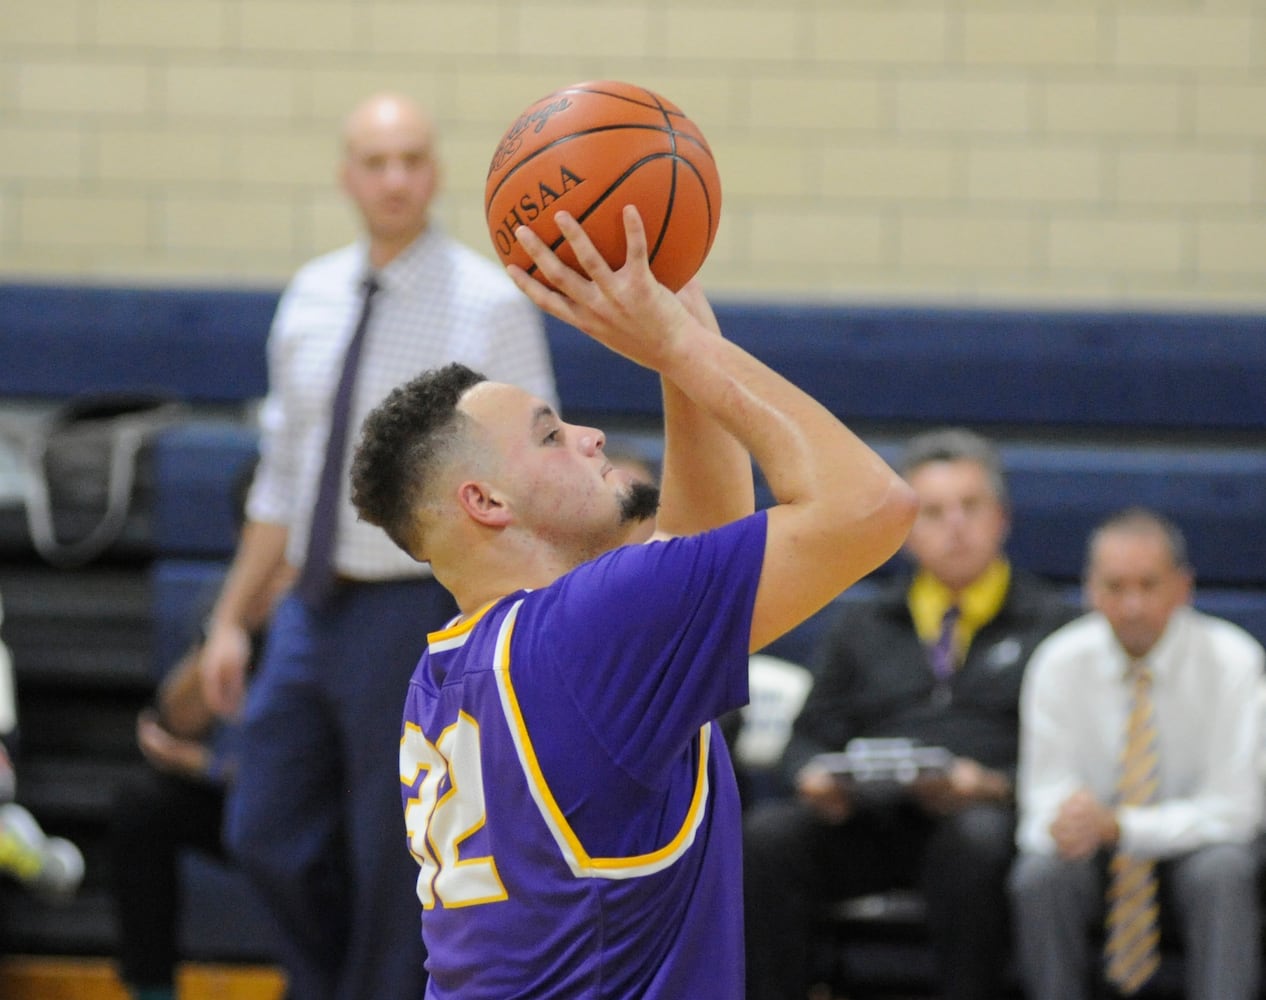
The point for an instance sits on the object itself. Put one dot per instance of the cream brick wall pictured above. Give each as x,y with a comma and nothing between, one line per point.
1080,151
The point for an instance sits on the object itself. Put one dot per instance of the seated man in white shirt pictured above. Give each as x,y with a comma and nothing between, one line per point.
1138,844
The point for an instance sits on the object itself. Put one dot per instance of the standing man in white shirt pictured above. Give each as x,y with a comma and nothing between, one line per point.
314,816
1173,851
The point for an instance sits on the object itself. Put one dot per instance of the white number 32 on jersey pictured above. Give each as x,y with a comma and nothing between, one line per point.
448,808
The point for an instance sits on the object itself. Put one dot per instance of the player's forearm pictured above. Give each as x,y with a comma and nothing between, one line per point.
808,456
707,477
840,512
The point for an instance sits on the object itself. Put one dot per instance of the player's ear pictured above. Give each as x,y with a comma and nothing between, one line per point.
483,504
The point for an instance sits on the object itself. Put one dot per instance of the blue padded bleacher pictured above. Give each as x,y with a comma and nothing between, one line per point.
1217,495
1059,492
1128,370
985,367
205,345
182,593
195,468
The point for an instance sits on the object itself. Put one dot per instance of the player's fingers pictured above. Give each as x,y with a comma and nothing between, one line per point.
634,238
542,297
591,262
565,279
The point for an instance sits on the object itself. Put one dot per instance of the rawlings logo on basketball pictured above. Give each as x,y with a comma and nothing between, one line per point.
530,205
513,139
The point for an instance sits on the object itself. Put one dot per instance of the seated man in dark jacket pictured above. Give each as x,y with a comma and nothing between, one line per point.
936,659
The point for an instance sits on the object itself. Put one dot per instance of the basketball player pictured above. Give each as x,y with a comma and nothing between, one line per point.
573,811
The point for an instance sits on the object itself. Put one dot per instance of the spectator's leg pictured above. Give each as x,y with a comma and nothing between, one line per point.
1055,904
794,865
780,898
964,880
153,817
1214,891
284,812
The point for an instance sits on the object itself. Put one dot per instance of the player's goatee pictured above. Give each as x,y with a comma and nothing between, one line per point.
640,503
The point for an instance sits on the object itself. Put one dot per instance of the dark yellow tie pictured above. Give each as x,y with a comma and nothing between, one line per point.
1132,952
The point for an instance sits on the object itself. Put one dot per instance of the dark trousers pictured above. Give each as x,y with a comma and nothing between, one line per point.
795,865
315,815
154,817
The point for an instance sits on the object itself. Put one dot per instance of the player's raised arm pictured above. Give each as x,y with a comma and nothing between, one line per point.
707,477
840,512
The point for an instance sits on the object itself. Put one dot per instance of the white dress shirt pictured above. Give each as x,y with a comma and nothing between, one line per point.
1207,677
437,302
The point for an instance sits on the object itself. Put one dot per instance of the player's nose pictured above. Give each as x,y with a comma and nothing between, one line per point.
591,440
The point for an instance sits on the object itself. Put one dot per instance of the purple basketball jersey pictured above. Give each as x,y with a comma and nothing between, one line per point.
571,806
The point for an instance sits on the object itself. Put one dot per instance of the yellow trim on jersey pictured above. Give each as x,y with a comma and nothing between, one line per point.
577,858
458,630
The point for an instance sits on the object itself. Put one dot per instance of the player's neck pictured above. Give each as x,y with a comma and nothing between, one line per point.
488,574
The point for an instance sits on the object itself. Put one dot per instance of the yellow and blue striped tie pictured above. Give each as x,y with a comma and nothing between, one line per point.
1132,952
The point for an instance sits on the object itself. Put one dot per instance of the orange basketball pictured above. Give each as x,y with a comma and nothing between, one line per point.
591,149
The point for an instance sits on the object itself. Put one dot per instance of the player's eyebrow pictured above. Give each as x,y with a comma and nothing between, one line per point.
543,415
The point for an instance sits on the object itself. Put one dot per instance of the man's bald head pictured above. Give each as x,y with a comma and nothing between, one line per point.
390,171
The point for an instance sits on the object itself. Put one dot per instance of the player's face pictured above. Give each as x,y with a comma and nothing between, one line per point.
389,170
1133,582
961,524
555,475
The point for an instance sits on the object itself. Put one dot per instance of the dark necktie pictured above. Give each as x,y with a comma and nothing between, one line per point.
942,653
316,578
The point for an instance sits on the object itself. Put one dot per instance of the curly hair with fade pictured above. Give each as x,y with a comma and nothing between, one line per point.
400,443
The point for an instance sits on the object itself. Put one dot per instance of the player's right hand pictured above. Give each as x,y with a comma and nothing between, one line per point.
222,666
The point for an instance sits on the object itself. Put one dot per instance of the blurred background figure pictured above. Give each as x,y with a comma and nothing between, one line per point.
1139,791
176,804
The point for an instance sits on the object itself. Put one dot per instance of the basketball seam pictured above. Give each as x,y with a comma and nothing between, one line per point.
672,186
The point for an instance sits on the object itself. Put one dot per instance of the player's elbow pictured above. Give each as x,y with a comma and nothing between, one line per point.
900,508
865,530
886,520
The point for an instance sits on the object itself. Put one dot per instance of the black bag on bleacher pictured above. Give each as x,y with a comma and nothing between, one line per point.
85,478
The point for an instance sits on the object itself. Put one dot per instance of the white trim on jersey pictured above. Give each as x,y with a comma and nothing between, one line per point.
581,863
